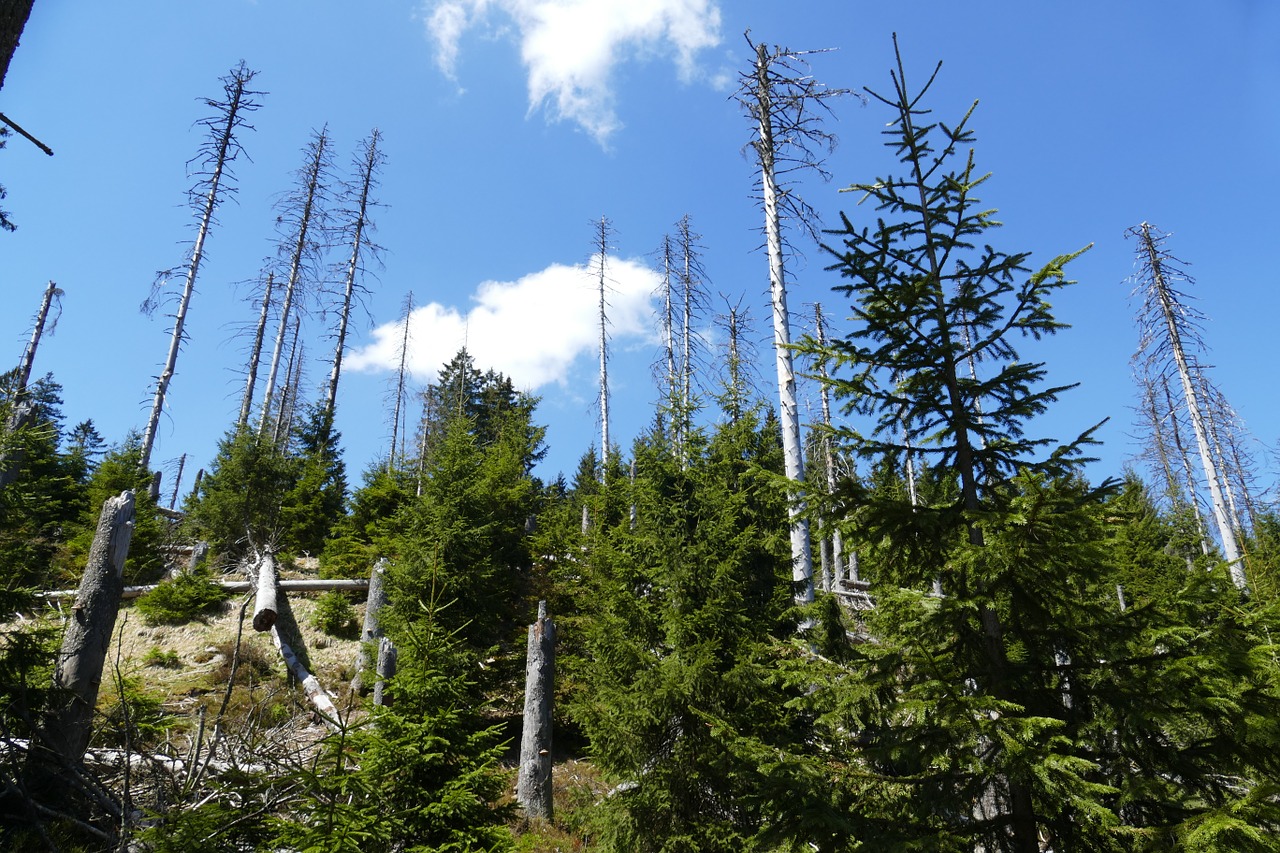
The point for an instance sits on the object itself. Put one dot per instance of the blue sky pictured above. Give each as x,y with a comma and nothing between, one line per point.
510,125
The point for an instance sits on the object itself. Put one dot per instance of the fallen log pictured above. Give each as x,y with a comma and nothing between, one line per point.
301,585
319,697
267,576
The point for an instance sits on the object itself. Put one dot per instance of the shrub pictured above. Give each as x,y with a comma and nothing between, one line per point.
164,658
334,615
188,596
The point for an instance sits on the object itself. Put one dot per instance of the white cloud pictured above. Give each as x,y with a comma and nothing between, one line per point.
570,47
531,329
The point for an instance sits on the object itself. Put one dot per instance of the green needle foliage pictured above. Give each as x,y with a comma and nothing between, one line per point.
675,685
1022,706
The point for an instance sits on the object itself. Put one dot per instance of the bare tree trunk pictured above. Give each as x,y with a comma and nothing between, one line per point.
316,693
225,148
266,576
289,394
400,382
603,231
533,787
310,219
1168,309
177,481
668,340
371,633
78,672
51,292
387,656
789,413
359,242
837,541
255,353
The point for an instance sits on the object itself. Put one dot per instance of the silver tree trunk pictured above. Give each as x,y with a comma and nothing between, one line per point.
789,412
78,671
1230,549
533,786
371,633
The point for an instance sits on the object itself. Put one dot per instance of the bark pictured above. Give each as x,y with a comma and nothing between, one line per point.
397,413
255,353
602,252
310,220
359,242
298,585
533,787
318,696
51,292
13,19
78,672
828,452
789,413
224,151
371,633
289,395
386,670
266,578
1168,309
668,339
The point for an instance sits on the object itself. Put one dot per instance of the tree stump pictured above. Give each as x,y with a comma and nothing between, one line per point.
533,787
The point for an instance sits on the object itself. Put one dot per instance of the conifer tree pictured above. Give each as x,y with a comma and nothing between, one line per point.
1008,713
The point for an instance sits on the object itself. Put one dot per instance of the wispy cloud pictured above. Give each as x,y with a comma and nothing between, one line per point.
570,47
531,329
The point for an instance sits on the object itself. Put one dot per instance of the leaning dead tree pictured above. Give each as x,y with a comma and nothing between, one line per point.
304,223
78,672
21,412
356,226
255,351
1170,341
533,786
786,106
214,184
399,410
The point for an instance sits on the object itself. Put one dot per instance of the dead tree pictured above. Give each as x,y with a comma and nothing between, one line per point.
266,577
371,633
357,226
52,294
785,105
533,787
603,235
399,412
386,669
305,219
833,546
1169,339
78,671
255,352
216,181
22,413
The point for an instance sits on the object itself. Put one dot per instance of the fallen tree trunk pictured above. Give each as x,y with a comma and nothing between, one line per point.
78,672
319,697
301,585
267,576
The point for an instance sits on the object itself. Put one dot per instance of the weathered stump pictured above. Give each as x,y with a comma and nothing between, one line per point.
371,633
78,672
533,787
